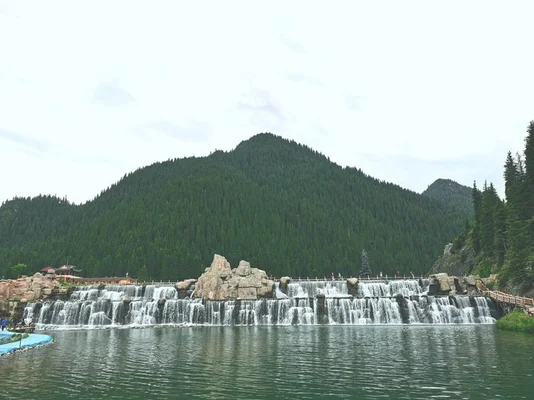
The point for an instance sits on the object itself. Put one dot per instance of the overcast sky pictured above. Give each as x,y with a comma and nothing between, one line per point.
407,91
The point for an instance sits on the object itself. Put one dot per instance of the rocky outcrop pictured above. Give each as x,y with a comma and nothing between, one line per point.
284,283
456,262
185,288
221,282
352,286
27,288
12,309
443,284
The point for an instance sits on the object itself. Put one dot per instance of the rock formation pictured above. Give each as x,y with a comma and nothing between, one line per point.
284,282
185,288
16,293
444,284
26,288
221,282
456,262
352,286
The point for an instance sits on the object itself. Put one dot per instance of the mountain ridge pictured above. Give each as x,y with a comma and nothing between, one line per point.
452,193
279,204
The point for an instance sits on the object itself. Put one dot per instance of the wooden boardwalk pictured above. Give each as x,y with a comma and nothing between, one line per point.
526,302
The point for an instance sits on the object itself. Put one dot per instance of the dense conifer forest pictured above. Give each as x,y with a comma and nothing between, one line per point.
454,194
502,234
280,205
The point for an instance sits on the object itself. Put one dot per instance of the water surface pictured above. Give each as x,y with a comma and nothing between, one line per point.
266,362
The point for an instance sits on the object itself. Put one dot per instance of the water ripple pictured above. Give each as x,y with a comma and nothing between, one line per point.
396,362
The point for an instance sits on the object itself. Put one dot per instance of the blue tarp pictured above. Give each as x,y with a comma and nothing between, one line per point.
31,341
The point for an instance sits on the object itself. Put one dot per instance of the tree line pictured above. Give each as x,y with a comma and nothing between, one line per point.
502,234
282,206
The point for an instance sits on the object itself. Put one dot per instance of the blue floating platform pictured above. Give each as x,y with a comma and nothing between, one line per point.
33,340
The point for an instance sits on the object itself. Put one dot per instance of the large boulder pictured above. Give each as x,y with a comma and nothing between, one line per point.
443,282
471,280
284,284
221,282
352,286
184,288
243,269
184,285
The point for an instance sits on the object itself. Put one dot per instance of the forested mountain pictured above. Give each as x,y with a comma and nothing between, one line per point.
454,194
502,235
280,205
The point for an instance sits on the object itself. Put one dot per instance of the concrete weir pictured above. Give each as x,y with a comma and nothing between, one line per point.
303,303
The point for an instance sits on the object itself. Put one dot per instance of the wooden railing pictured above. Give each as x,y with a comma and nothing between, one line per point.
360,278
509,299
155,283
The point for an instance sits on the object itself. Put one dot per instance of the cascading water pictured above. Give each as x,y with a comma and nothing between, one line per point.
301,303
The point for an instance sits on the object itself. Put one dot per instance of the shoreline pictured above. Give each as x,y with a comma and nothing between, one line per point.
32,341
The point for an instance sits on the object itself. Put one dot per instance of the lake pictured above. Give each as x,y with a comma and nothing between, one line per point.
267,362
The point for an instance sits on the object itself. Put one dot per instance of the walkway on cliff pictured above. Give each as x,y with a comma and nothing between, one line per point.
526,302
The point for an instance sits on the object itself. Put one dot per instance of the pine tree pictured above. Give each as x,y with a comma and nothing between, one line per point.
529,160
142,274
499,240
365,269
490,201
476,233
511,179
529,181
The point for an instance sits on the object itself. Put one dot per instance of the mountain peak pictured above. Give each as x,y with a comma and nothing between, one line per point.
452,193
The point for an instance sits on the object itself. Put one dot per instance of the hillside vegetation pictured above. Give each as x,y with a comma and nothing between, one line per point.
453,194
502,235
280,205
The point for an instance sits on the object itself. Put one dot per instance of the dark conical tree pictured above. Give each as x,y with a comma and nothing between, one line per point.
529,153
511,179
529,171
477,202
499,240
516,247
142,274
365,269
490,201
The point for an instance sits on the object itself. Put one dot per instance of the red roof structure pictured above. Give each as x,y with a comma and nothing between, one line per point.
63,270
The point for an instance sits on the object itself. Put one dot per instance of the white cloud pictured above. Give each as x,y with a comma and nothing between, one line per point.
403,90
112,94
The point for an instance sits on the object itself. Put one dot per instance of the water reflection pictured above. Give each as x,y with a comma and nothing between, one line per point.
401,362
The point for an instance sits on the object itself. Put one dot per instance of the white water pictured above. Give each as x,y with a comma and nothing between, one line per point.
392,288
394,302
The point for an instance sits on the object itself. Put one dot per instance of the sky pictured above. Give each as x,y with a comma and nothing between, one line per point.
407,91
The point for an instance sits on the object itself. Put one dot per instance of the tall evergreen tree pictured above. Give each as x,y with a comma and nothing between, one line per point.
503,232
511,178
529,154
490,202
529,172
476,234
499,239
365,269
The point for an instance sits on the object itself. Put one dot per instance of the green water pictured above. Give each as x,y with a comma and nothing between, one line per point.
295,362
